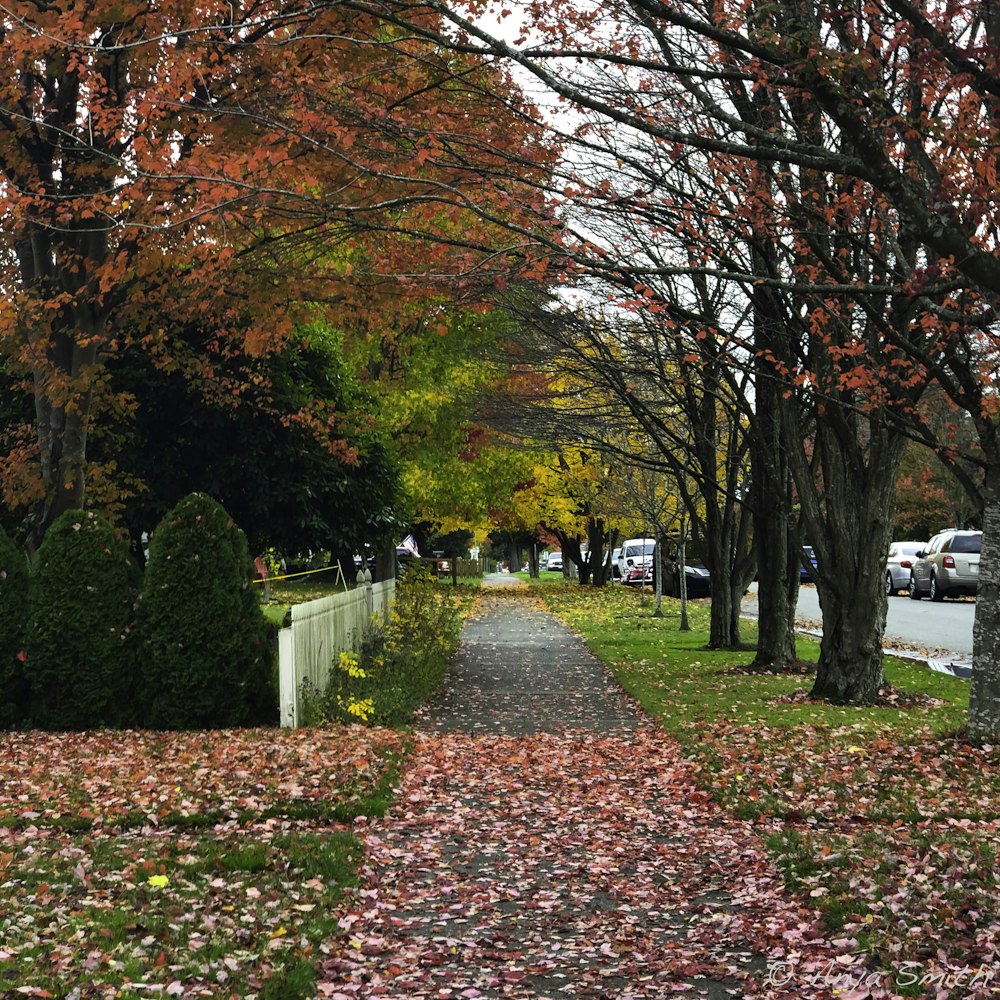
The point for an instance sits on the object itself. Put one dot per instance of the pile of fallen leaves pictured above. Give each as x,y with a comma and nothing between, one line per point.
195,864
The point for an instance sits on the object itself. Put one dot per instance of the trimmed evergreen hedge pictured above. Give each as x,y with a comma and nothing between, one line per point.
13,611
81,605
208,659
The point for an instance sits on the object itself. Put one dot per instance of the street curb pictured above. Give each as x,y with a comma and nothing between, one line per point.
955,664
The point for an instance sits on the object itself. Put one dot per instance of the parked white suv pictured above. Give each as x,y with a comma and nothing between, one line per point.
948,565
635,561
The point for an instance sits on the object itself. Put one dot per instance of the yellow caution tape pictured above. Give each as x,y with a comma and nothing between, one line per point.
291,576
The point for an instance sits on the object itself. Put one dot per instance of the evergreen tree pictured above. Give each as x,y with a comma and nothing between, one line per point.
81,605
207,658
13,611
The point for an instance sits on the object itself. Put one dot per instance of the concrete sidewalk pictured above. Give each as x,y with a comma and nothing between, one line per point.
520,671
548,841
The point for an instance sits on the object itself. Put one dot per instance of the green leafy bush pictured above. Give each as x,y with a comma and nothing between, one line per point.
81,606
208,659
400,664
13,612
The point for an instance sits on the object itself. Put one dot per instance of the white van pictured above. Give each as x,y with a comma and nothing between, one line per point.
635,561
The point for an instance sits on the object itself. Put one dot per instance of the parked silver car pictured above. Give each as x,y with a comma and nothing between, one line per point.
902,556
948,565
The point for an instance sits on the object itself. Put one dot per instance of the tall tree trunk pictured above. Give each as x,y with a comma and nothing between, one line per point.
571,553
776,541
851,540
984,696
595,554
533,560
850,662
774,527
724,620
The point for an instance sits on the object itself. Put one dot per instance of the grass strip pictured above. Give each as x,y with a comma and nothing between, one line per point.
881,816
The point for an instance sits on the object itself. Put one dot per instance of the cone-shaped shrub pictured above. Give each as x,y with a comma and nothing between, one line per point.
207,656
81,605
13,612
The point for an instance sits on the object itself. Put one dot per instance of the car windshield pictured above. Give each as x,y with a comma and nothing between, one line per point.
966,543
645,549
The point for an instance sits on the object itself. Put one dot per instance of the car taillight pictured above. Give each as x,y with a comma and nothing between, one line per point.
948,562
905,563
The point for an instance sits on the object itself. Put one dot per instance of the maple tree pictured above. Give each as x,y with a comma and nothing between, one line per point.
817,124
660,395
559,501
430,376
547,410
928,497
194,163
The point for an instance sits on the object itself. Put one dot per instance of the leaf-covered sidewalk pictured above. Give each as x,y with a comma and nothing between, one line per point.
525,859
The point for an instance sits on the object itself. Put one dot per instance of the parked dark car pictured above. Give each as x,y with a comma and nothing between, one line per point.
699,580
806,571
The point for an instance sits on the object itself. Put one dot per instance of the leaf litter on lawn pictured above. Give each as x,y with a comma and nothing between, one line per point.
104,777
231,877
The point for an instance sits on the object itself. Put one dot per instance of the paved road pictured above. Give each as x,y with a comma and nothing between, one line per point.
944,630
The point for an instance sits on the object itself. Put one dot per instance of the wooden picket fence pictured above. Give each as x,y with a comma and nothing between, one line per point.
320,631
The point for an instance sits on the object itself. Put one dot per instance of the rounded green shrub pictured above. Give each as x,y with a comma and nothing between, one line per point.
207,658
13,612
81,606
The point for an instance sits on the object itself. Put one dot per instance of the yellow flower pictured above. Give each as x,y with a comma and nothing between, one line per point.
158,881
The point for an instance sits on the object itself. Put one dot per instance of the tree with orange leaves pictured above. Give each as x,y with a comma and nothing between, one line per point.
166,164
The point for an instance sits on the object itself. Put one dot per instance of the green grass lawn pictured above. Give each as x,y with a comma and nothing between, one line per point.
883,817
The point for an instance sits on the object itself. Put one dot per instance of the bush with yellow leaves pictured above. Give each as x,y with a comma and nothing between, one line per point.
401,662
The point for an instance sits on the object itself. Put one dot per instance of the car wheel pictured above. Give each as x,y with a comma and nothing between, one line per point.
911,589
889,588
936,593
